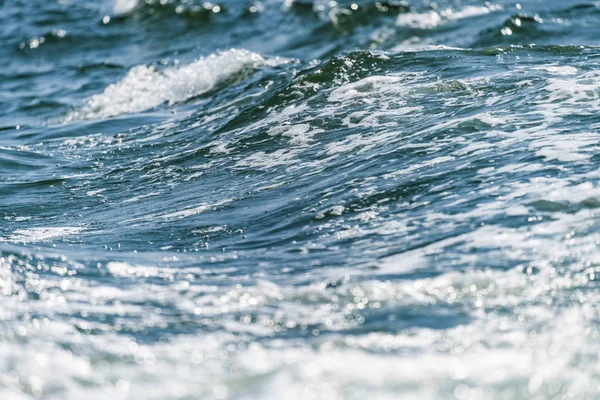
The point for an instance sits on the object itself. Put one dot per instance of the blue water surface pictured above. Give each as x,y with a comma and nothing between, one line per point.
299,199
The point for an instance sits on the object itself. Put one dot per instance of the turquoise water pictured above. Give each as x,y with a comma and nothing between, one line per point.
299,200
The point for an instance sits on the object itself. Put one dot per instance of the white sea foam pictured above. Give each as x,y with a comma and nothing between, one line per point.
179,213
298,134
418,47
187,212
468,12
388,103
121,7
557,69
145,87
41,234
365,88
266,161
432,19
515,335
426,20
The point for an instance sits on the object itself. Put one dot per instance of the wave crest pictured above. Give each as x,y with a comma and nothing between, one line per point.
145,87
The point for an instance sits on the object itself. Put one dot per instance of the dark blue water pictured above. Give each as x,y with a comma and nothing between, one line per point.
299,199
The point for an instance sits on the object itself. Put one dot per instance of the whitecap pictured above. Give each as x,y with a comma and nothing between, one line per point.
145,87
432,19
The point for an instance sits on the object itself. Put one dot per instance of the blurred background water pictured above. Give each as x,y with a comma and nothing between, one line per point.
299,199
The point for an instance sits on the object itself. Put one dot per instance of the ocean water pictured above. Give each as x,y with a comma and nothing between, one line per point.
288,199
